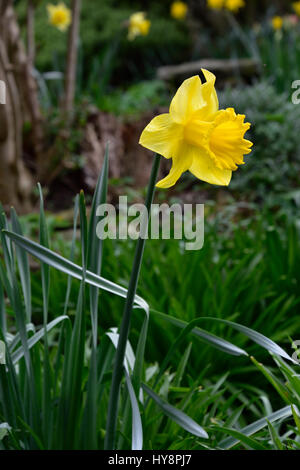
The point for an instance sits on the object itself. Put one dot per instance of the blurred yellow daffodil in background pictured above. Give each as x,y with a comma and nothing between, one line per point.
296,7
197,136
215,4
234,5
179,10
138,25
277,23
59,16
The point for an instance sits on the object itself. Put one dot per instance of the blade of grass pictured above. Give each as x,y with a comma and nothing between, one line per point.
258,338
182,366
2,311
283,413
137,429
204,335
6,246
275,437
296,419
23,265
110,435
74,372
2,353
14,343
20,317
95,245
139,356
62,264
178,416
94,262
10,393
45,273
279,387
72,254
242,438
19,353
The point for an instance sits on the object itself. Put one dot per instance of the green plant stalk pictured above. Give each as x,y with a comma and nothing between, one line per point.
112,416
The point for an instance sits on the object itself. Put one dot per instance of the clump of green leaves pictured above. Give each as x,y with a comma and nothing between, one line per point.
56,367
138,98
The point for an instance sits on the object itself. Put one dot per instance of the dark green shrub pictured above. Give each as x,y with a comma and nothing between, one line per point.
274,164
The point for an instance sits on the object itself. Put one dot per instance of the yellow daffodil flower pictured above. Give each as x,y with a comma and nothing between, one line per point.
197,136
179,10
296,7
138,25
215,4
234,5
59,16
277,23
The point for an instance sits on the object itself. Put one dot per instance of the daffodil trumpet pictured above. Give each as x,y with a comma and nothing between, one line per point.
197,136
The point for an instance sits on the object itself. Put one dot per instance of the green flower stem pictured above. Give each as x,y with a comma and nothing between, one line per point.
110,436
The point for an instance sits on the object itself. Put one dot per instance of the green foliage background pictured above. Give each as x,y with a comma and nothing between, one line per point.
102,25
247,271
273,167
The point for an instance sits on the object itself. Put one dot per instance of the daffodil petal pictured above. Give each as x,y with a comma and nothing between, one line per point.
194,97
209,93
180,164
203,168
51,9
186,99
162,136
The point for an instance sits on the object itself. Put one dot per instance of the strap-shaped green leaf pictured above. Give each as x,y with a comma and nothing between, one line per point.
62,264
182,419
